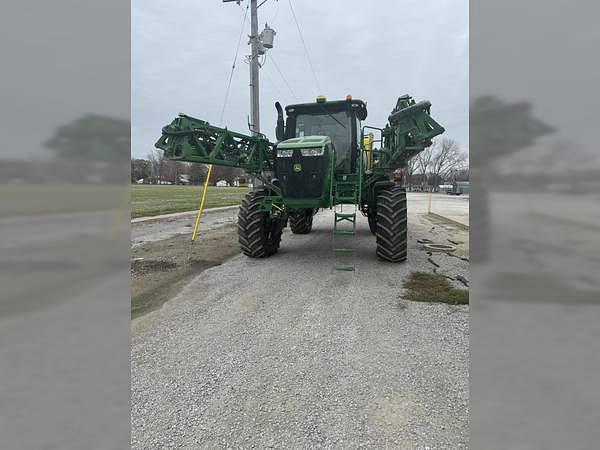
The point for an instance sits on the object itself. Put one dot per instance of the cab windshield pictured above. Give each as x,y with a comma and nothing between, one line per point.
338,126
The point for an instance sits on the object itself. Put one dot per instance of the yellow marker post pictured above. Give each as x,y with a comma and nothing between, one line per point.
429,206
201,204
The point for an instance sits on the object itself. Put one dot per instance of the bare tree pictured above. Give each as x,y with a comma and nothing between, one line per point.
447,158
463,174
438,162
411,166
197,172
172,170
228,174
156,159
163,170
140,169
423,163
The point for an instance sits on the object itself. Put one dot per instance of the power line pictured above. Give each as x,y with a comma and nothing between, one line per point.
305,48
272,81
283,78
274,14
237,50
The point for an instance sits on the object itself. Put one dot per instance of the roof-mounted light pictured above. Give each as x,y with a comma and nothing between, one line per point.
321,99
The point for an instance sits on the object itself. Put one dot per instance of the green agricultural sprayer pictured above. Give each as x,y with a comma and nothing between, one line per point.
323,157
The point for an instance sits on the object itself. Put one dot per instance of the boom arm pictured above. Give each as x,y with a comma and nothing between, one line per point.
409,131
194,140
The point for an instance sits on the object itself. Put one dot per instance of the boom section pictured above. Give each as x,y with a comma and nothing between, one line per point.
194,140
409,131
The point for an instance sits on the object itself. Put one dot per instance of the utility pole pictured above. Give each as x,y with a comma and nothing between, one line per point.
254,82
259,44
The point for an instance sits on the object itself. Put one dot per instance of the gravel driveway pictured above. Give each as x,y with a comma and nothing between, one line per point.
285,352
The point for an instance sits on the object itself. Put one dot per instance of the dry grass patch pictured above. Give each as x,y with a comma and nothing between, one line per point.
433,288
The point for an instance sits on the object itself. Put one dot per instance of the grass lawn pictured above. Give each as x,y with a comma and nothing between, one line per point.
151,200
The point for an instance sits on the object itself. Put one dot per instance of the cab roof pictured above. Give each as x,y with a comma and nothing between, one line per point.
304,142
329,106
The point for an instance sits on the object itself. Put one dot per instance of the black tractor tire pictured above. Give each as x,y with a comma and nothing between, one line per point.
392,227
372,219
301,221
259,236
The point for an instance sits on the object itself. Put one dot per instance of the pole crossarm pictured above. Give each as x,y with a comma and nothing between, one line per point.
194,140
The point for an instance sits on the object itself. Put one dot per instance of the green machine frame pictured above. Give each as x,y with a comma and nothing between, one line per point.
410,129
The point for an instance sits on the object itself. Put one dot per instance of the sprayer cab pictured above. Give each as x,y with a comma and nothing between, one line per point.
340,120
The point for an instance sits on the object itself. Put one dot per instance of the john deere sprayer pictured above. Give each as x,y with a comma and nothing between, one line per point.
323,158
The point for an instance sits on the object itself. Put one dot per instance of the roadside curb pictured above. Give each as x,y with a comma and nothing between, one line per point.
452,221
182,214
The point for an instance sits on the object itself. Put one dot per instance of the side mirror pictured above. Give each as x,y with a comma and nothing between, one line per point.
279,130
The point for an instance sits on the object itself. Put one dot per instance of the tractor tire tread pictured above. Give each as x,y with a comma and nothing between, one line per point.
301,222
391,224
251,223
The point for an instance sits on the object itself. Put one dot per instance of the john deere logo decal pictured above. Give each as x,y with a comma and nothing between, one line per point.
297,167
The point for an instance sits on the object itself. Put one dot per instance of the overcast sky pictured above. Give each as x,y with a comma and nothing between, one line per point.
182,54
65,62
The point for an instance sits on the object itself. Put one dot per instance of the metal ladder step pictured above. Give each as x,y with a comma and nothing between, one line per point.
343,251
341,217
